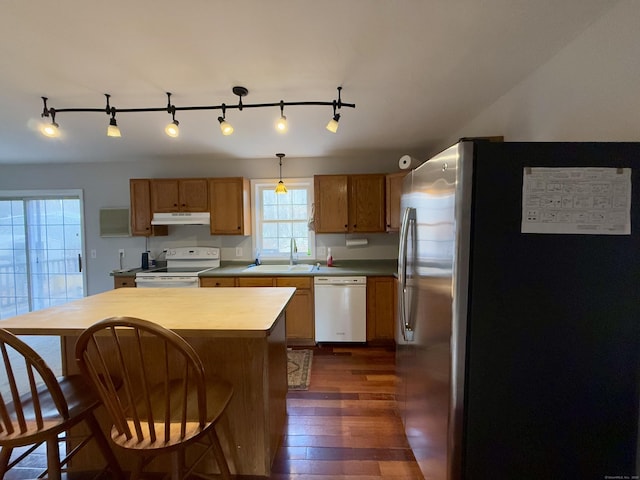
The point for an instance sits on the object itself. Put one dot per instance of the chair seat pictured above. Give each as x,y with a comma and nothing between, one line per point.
80,400
219,393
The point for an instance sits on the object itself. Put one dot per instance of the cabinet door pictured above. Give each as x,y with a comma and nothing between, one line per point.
140,196
331,203
381,309
299,317
165,195
229,199
193,194
394,190
366,203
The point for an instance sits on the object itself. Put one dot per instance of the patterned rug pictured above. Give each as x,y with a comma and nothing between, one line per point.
299,369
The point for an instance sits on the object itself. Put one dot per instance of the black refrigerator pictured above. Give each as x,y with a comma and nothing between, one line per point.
518,333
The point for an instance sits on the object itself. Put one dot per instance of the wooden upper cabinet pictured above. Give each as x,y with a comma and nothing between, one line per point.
349,203
331,203
140,196
394,191
366,203
230,201
179,195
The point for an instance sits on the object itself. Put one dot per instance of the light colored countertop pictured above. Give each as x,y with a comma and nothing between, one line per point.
218,312
366,268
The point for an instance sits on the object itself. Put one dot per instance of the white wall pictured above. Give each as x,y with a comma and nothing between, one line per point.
590,90
107,185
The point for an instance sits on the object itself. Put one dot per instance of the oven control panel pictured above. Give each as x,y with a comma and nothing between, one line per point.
193,253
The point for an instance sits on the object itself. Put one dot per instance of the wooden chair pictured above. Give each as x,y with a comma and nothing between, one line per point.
165,404
40,407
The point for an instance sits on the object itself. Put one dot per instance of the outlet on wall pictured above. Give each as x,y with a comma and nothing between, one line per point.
121,252
93,254
322,252
238,251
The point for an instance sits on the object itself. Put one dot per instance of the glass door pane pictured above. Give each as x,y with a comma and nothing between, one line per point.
40,251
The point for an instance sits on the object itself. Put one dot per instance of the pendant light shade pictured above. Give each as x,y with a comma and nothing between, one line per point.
281,125
280,188
225,127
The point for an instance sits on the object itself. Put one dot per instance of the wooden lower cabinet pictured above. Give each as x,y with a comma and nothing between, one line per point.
124,282
381,309
300,311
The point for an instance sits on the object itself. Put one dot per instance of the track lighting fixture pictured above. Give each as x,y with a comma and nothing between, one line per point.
332,126
280,188
281,124
172,129
225,126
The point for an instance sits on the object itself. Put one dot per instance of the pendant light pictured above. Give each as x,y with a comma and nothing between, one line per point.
280,188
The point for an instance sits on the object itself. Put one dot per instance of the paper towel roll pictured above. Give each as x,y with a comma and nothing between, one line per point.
357,242
406,162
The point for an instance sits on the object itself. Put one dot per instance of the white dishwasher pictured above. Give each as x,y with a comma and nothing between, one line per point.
340,309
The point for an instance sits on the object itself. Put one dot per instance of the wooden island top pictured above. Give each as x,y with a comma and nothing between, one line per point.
239,334
250,311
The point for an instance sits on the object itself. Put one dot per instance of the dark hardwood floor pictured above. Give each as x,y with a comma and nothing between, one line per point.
345,427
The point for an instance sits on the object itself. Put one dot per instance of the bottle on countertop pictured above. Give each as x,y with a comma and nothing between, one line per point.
329,258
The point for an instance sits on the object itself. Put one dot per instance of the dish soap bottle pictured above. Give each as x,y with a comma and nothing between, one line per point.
329,258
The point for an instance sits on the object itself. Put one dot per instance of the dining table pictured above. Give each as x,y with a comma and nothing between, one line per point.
239,334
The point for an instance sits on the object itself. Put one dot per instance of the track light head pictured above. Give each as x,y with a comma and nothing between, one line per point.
50,130
281,125
332,126
172,129
225,127
112,129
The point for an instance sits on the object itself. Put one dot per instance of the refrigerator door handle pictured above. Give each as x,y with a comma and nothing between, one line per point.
408,220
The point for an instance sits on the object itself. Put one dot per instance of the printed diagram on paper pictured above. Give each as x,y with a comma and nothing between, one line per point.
587,200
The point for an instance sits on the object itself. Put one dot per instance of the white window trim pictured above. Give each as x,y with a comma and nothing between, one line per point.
256,211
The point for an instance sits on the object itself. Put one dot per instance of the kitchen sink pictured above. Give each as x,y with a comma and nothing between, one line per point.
301,268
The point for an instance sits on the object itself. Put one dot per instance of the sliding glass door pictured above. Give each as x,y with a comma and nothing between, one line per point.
41,245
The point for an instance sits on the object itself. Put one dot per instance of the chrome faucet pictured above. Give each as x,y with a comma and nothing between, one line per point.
293,259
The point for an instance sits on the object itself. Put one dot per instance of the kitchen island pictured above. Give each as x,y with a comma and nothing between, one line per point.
238,333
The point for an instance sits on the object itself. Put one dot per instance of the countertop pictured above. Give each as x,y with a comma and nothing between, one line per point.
215,312
368,268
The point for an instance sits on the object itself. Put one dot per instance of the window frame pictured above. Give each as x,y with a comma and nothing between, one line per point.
257,187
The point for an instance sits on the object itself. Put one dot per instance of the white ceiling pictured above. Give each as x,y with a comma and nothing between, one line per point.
417,70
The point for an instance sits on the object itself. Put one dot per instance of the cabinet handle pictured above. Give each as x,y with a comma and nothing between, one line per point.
184,204
238,227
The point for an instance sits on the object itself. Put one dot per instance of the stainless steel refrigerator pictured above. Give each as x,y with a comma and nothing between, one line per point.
518,335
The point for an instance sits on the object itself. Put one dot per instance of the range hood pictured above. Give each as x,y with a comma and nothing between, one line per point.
181,218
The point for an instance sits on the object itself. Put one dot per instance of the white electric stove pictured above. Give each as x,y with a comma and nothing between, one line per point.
184,264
